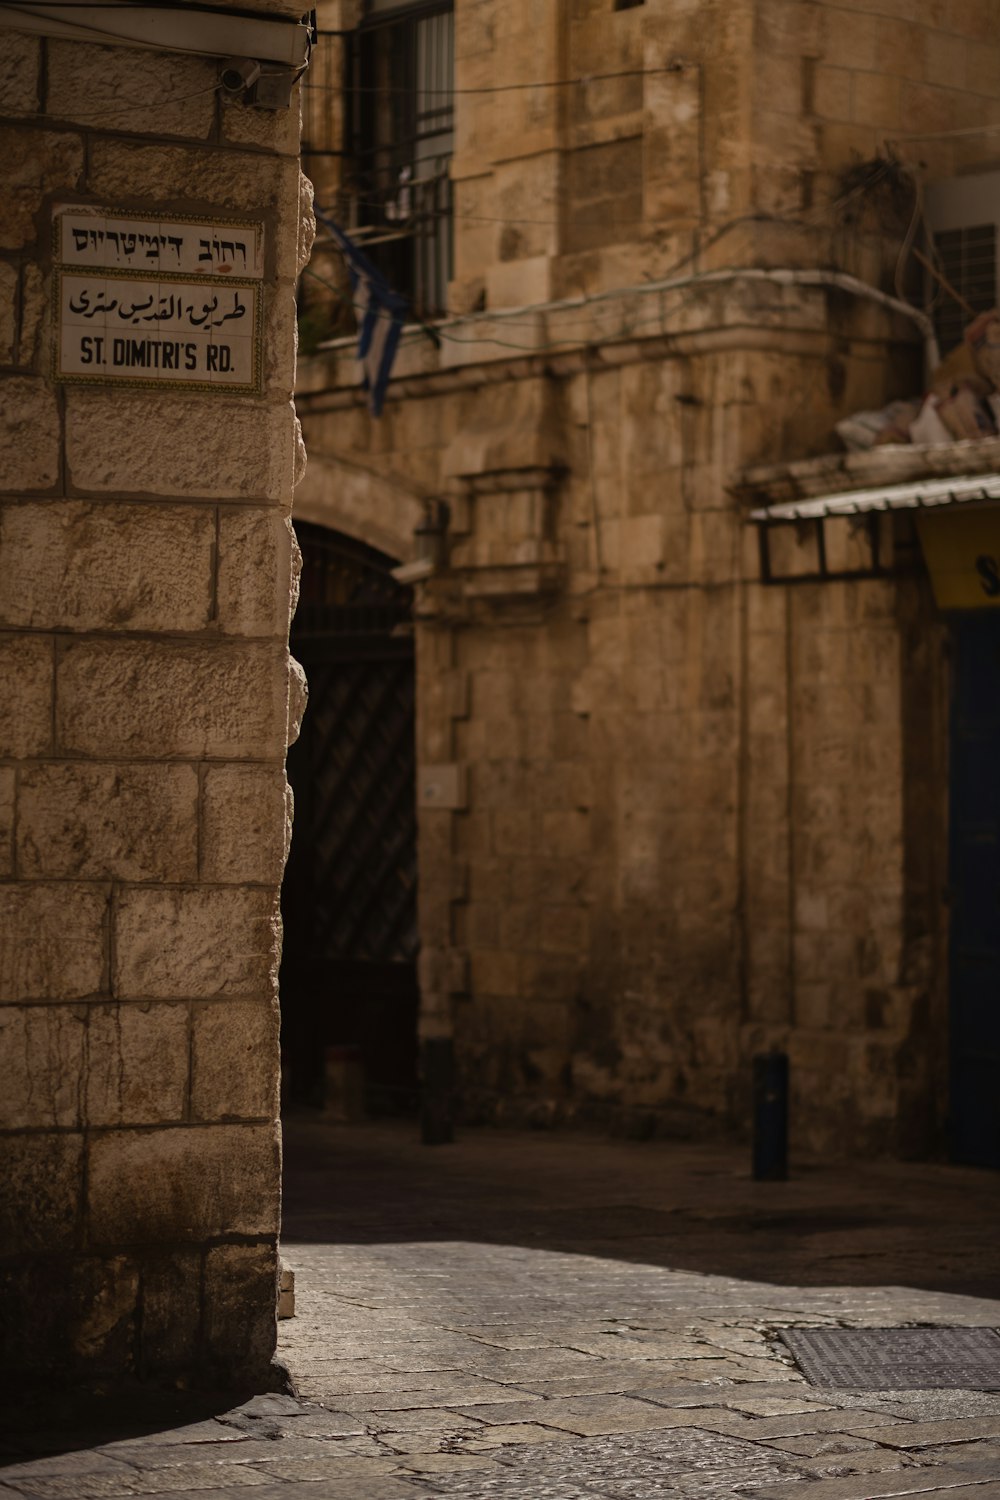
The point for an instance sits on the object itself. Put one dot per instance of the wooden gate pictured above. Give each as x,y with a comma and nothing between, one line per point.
348,979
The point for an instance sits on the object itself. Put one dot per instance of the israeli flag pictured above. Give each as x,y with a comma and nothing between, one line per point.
381,313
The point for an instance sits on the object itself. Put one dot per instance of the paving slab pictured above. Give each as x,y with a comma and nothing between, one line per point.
534,1317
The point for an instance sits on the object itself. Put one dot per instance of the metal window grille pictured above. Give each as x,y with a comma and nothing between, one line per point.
968,259
401,120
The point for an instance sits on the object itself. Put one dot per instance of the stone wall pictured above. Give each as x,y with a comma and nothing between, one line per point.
693,817
146,577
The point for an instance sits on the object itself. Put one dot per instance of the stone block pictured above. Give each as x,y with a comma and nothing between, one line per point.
52,941
67,1318
99,822
196,944
833,96
274,130
566,834
128,89
212,448
240,1298
171,1311
876,99
234,1060
137,1070
33,164
20,65
79,566
41,1065
29,433
139,698
849,38
254,572
40,1188
564,929
34,302
238,181
8,312
186,1184
494,972
519,283
7,786
246,824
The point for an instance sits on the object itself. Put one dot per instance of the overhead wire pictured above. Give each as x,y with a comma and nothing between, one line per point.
126,109
495,88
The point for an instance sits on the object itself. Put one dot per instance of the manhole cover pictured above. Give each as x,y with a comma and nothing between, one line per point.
897,1359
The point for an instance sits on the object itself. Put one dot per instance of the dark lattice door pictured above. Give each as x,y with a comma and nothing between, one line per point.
349,899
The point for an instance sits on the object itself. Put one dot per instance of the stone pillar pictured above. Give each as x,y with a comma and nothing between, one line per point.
146,577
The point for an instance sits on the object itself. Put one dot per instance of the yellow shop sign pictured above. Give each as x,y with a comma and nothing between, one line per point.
962,552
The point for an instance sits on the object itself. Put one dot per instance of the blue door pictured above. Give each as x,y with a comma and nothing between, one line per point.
975,886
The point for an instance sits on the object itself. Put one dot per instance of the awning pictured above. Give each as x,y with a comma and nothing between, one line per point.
916,495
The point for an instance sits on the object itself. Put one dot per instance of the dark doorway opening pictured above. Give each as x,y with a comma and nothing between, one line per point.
348,974
975,891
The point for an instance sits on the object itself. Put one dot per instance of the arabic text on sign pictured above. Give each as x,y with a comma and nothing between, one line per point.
94,301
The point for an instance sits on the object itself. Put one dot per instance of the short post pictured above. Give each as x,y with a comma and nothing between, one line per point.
437,1086
770,1117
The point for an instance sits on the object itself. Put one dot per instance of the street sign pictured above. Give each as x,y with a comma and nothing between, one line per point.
143,301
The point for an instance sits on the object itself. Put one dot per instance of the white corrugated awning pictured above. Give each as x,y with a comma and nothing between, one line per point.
915,495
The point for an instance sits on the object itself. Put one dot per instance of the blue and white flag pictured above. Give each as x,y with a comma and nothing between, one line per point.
381,312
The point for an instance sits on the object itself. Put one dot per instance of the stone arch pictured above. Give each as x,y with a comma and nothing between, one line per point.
345,496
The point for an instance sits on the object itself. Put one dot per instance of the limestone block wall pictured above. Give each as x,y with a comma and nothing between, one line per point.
699,817
684,833
146,581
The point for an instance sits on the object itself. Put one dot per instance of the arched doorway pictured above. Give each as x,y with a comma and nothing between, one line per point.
348,975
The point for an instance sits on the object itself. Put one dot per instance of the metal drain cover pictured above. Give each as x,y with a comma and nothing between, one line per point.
897,1359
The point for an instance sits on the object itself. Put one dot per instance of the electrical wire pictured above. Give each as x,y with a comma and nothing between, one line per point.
946,135
495,88
128,109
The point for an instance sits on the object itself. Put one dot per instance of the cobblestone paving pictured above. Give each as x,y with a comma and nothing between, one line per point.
535,1319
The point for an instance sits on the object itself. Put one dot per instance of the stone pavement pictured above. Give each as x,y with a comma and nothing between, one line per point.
532,1317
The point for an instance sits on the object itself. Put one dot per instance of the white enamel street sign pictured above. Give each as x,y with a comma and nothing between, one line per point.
133,308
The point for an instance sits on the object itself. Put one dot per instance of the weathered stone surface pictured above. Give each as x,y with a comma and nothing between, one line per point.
171,1311
117,683
218,449
170,1186
19,71
39,1192
248,182
137,1064
170,700
29,433
115,89
196,943
255,571
33,164
103,566
123,822
9,280
7,785
34,303
26,672
42,1065
234,1052
52,941
273,129
241,1292
246,824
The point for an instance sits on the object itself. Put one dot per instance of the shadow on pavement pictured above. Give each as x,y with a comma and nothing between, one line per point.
675,1205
